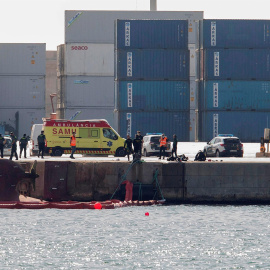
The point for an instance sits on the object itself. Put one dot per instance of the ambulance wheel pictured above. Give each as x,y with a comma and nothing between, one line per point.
57,151
120,152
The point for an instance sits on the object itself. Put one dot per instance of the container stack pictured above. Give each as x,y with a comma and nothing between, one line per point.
86,70
22,84
152,77
235,78
85,75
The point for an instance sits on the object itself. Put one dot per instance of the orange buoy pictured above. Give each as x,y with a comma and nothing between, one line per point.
147,214
98,206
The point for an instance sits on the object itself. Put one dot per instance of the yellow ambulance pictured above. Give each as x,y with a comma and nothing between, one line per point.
93,137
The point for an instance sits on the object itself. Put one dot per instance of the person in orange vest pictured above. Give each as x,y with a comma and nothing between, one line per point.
163,145
262,148
73,144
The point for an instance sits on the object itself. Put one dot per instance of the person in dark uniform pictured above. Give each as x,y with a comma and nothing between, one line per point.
23,144
2,143
128,146
137,145
41,143
174,146
13,146
138,142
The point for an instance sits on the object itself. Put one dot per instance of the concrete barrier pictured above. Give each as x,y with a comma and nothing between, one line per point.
227,182
189,182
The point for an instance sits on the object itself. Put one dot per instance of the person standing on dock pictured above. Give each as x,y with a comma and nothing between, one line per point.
73,144
128,146
138,142
174,146
23,144
163,145
41,143
13,146
2,143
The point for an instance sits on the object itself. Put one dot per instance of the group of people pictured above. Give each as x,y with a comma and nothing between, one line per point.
41,139
23,145
132,147
137,144
163,145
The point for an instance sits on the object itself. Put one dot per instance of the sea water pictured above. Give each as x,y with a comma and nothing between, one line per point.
171,237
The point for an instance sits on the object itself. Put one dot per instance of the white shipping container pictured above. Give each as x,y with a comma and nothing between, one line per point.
91,113
85,91
21,120
86,59
22,91
22,59
98,26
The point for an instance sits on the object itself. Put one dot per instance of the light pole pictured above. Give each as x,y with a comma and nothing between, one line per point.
52,96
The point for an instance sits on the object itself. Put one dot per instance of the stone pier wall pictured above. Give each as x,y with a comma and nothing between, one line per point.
189,182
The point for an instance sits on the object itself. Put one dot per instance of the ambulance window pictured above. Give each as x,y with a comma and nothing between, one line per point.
89,133
94,133
109,134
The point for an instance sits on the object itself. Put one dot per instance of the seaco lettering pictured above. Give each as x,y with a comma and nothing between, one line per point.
63,131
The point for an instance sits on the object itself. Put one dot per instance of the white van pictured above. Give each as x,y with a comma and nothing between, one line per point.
7,146
33,144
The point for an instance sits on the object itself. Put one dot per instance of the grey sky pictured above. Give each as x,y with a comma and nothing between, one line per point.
42,21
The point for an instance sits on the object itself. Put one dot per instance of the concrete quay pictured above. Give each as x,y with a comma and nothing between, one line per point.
186,182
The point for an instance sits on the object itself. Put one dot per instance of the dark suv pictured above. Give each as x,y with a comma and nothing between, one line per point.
224,145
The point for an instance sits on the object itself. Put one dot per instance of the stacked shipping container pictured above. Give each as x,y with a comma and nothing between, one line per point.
22,84
235,78
92,35
85,80
152,77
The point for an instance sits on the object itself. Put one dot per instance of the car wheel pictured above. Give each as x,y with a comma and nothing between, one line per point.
217,154
120,152
205,153
57,151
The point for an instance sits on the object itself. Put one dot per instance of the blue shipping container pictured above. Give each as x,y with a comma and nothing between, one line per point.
236,64
152,64
235,34
151,34
247,125
235,95
166,122
152,95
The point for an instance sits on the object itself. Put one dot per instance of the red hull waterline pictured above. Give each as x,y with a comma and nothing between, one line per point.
11,173
112,204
